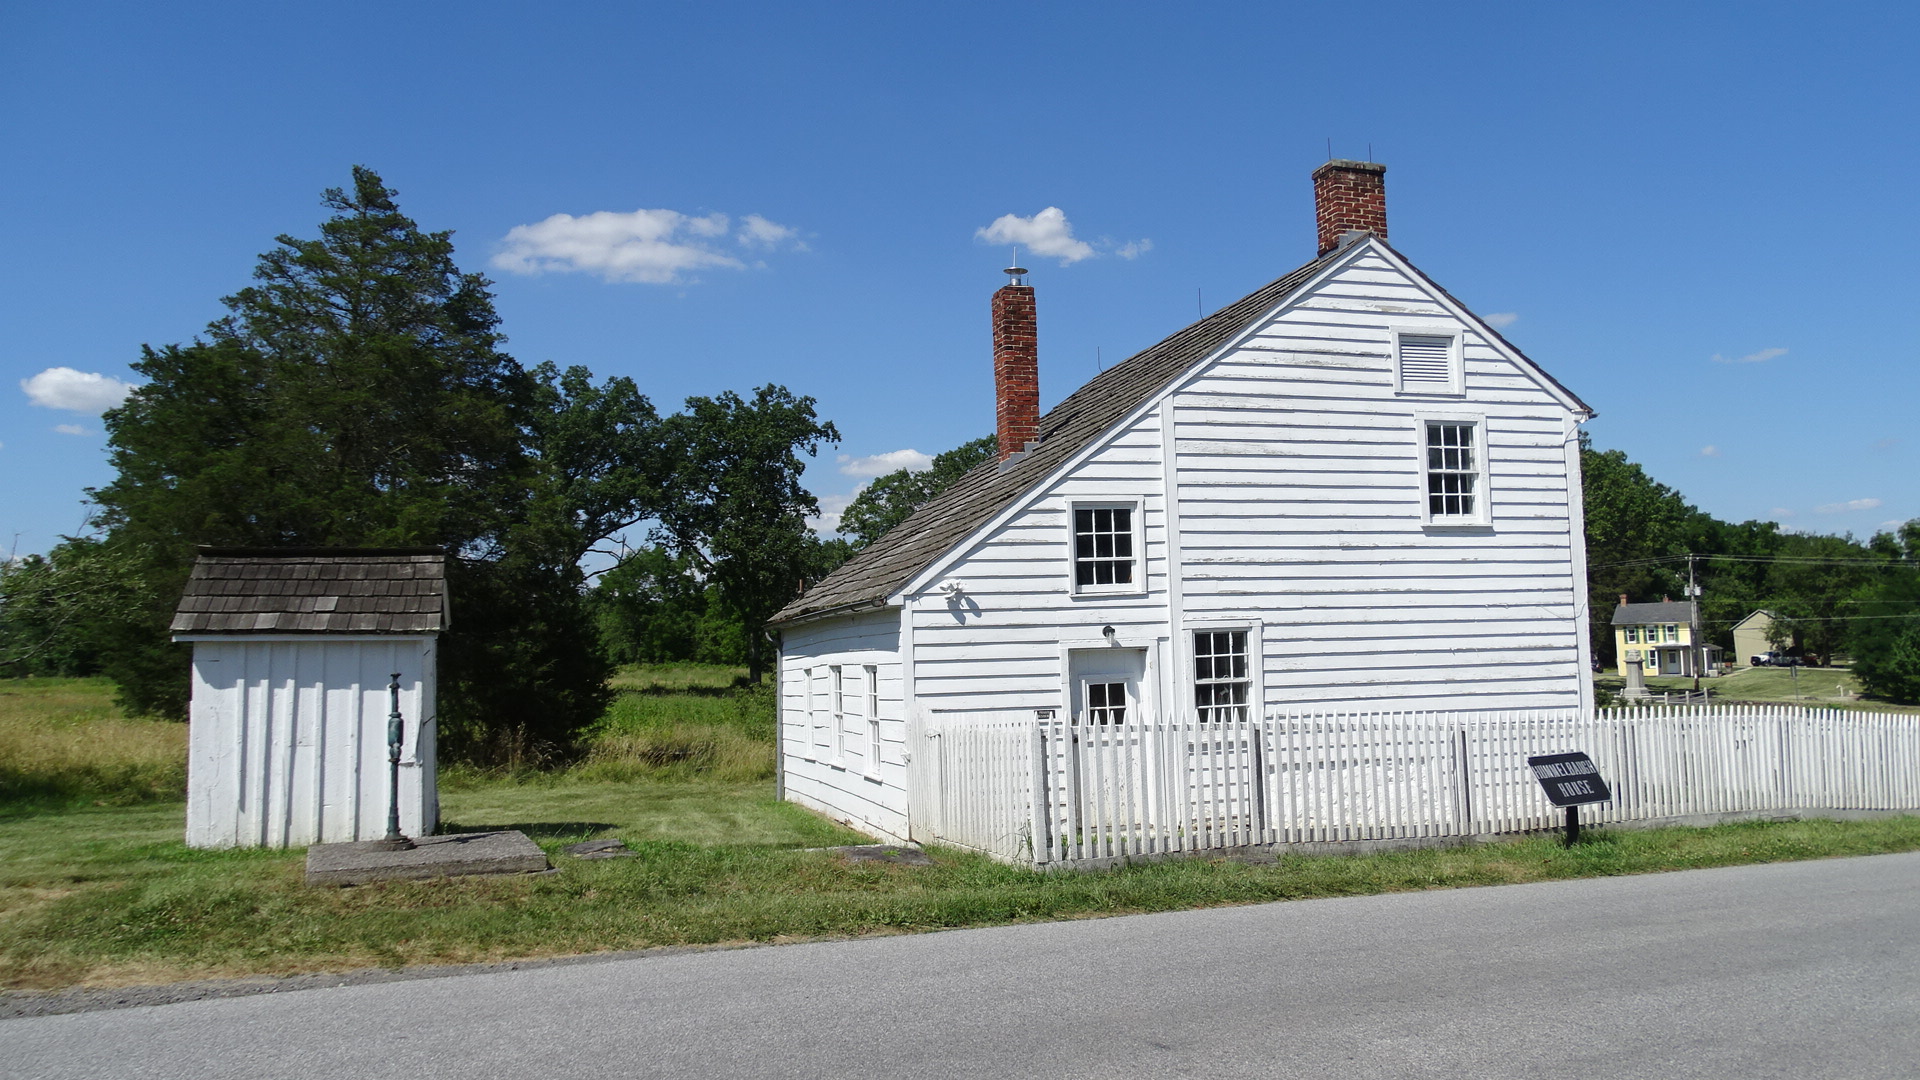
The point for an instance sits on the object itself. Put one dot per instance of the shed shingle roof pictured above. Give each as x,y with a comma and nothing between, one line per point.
315,591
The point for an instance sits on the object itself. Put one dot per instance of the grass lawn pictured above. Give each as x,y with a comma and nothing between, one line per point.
1820,688
108,894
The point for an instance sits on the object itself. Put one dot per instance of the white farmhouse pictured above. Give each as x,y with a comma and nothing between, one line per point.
1344,490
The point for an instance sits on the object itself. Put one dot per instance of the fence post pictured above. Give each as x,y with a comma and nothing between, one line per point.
1462,771
1042,836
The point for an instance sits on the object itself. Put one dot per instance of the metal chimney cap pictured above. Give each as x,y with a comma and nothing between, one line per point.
1014,274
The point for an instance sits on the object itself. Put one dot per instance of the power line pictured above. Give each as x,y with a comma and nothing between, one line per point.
1807,560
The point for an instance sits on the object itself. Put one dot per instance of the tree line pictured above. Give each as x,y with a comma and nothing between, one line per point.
358,394
1830,596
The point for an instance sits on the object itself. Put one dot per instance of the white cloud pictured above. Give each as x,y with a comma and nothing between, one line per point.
1846,507
1890,525
1751,358
1709,451
1047,234
882,464
655,247
831,507
75,391
71,429
756,231
1500,320
1781,513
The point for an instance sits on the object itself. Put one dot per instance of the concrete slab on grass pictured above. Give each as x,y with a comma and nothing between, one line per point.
881,853
454,855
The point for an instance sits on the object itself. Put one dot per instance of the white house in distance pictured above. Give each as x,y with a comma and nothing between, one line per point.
293,654
1344,490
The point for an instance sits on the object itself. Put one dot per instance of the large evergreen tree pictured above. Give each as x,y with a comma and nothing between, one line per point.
357,395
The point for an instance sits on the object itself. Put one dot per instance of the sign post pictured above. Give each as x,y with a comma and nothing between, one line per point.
1570,780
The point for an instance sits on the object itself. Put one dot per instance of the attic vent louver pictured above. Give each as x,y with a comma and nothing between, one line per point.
1426,360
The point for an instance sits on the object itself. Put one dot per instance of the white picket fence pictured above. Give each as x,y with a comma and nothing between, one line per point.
1051,791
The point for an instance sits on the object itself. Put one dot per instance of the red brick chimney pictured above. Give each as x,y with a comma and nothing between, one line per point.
1349,196
1016,365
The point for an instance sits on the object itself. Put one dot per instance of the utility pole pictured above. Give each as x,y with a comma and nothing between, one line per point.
1693,622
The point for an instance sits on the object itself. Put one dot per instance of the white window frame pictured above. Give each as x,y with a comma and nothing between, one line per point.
1456,361
872,676
1256,664
1246,704
837,701
814,726
1129,705
1135,519
1482,515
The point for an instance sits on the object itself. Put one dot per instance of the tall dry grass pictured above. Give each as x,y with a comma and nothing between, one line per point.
64,742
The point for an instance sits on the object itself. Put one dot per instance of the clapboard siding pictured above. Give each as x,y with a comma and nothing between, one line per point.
1002,650
1301,426
823,762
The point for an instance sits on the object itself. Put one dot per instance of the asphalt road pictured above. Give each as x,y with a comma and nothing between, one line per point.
1802,970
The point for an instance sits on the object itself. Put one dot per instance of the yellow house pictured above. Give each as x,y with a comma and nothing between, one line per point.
1659,637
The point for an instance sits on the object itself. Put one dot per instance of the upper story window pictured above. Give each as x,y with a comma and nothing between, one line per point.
1428,362
1632,635
1455,472
1673,631
1105,548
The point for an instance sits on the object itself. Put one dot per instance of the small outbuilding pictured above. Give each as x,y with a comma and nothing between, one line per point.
1750,637
294,651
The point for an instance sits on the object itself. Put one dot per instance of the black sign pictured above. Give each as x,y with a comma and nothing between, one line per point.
1569,779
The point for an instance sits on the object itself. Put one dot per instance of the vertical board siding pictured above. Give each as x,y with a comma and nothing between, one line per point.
287,741
1052,791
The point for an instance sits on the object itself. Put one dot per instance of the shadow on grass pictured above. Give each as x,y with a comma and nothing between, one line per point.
537,830
657,690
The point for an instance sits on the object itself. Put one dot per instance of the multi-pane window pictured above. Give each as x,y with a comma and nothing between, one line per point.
817,714
1103,545
1453,470
1106,702
837,699
1633,635
1221,682
1673,632
873,719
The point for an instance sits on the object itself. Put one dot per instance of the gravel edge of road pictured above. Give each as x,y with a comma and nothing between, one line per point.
20,1004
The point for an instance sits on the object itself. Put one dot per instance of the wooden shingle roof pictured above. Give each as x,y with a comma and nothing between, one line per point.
315,591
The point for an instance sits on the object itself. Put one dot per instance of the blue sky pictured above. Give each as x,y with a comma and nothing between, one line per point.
1702,219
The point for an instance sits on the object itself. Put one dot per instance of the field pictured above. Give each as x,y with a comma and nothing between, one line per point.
1824,688
96,887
